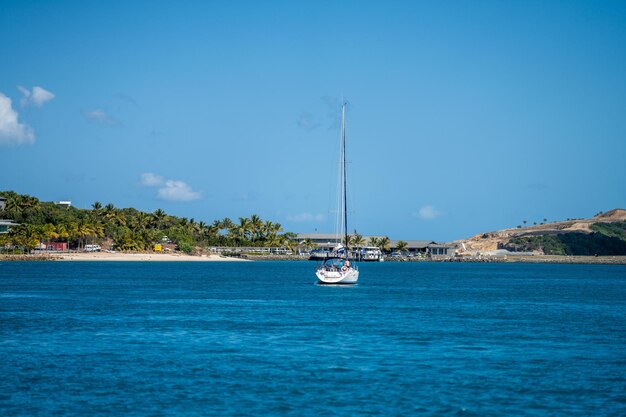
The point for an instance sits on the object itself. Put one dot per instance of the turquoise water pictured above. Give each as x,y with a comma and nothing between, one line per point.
260,338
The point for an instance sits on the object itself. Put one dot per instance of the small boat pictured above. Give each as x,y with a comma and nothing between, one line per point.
338,269
370,254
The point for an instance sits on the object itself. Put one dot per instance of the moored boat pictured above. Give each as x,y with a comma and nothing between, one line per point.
338,269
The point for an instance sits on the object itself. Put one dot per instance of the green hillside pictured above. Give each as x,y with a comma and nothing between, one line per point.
608,239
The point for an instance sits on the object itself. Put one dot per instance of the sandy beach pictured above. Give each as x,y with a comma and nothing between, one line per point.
157,257
120,256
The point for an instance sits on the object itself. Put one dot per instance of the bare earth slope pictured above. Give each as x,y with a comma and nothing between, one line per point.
491,240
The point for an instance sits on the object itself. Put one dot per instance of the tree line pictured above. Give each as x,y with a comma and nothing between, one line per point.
129,229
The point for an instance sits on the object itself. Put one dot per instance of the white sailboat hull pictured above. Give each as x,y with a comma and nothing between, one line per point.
351,276
337,269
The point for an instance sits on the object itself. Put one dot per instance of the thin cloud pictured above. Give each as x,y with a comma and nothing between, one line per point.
149,179
428,212
306,217
101,116
12,132
170,190
177,191
37,96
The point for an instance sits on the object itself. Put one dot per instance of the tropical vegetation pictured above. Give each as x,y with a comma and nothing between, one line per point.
129,229
608,239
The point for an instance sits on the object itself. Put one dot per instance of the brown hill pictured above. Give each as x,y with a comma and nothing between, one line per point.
490,241
615,215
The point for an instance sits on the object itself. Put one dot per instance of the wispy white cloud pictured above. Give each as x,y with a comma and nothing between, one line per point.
170,190
37,96
149,179
306,217
428,212
101,116
177,191
12,132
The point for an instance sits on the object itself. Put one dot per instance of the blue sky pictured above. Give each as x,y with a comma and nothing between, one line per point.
464,117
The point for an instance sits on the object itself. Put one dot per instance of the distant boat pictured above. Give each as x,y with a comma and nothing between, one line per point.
370,254
337,269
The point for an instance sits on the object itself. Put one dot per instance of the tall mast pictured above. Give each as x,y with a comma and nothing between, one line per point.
343,145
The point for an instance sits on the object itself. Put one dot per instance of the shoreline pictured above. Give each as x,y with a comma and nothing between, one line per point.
170,257
119,257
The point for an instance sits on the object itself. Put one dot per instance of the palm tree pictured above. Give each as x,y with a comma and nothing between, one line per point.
48,232
266,230
269,230
211,232
97,209
201,228
108,210
357,239
256,225
97,230
242,230
402,246
226,224
13,209
289,240
157,217
63,232
83,231
140,221
26,236
119,217
373,241
383,244
308,244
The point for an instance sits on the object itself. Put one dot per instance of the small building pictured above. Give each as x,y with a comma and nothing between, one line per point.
413,246
66,203
5,225
441,250
55,246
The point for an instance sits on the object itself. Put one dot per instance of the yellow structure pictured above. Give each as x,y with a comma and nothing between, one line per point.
158,247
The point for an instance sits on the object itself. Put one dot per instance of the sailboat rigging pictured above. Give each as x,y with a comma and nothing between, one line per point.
338,269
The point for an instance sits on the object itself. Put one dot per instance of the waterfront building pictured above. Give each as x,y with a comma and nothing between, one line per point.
5,225
414,247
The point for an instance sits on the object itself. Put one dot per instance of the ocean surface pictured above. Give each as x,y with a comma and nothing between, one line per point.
261,339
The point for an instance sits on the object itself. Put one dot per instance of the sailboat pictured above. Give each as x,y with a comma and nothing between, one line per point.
338,269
